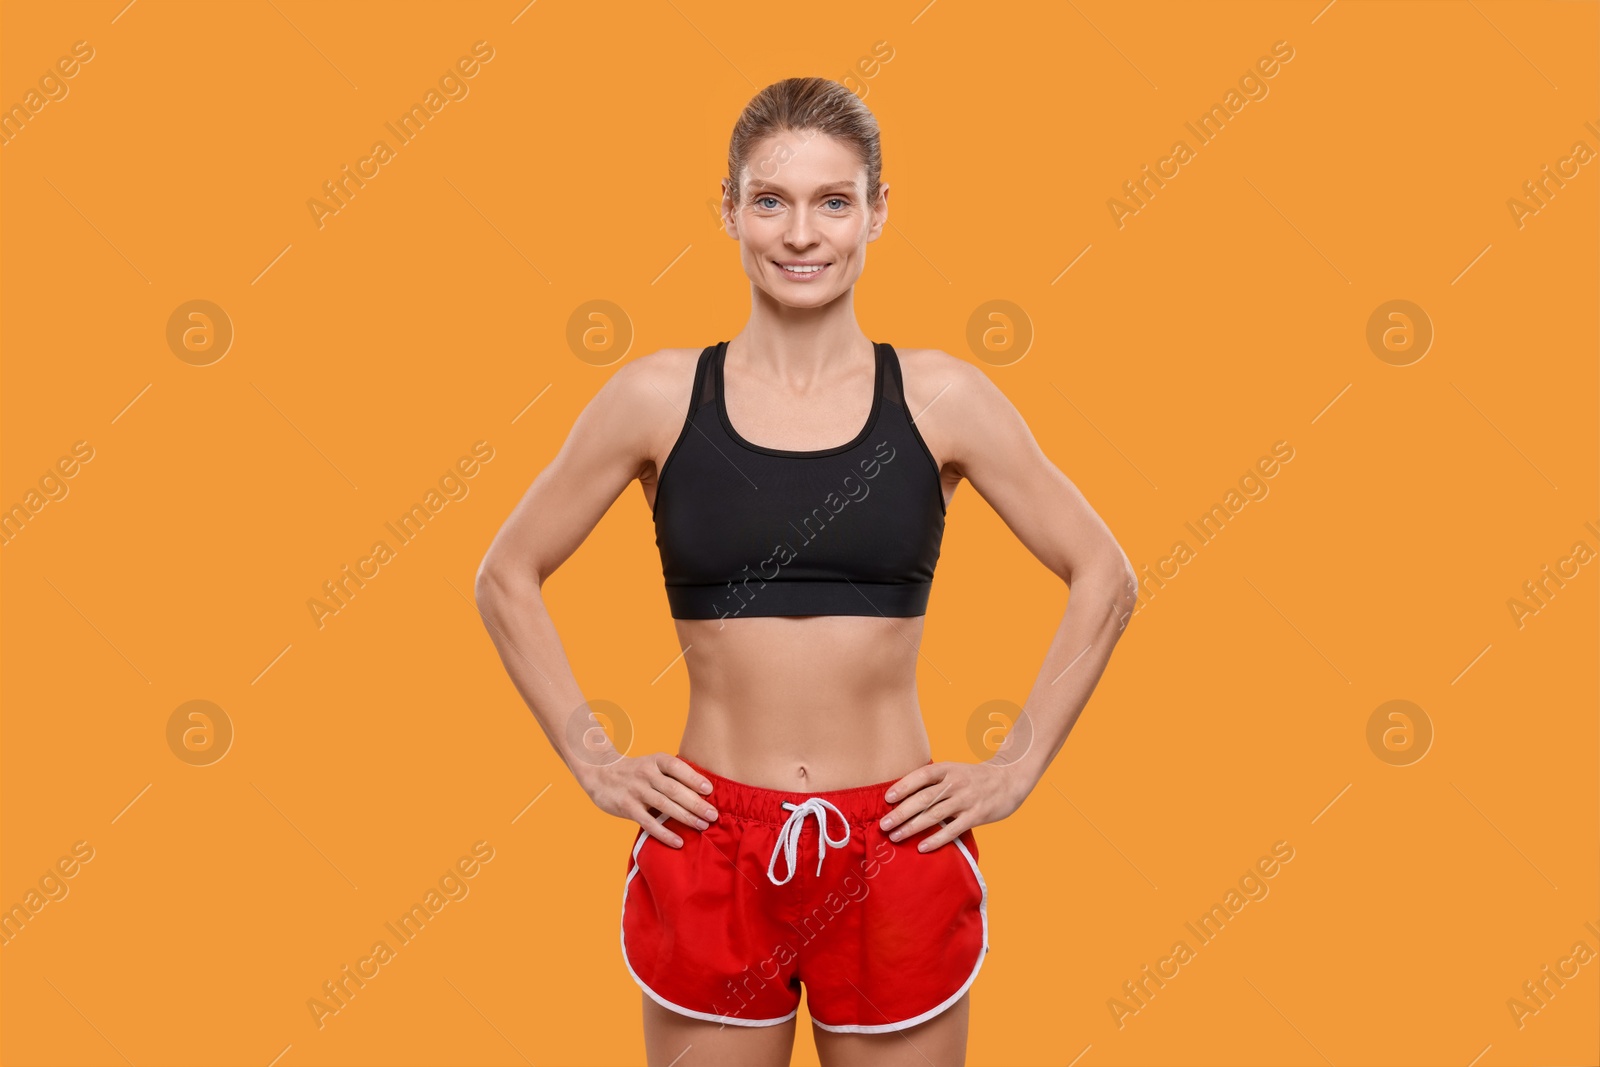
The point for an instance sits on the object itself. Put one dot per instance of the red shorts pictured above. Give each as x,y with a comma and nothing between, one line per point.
730,926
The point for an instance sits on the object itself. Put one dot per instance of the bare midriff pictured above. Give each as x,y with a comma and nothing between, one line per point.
804,703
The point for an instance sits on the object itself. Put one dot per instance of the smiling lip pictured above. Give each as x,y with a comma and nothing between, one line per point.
803,276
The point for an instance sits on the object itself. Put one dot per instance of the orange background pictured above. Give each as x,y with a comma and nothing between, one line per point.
369,354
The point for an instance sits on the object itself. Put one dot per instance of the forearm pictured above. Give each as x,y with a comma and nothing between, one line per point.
519,624
1098,609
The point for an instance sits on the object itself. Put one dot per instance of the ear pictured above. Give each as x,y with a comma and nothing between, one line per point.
880,211
729,226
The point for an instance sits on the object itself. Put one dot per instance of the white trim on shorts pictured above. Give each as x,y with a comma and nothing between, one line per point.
657,997
983,913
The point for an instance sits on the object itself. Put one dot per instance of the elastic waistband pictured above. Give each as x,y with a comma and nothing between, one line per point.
859,805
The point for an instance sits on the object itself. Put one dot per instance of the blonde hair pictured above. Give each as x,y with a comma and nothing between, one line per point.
798,105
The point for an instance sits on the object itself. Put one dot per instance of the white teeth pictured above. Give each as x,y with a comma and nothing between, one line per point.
803,270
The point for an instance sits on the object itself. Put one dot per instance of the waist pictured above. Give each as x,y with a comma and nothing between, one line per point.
792,749
859,805
829,702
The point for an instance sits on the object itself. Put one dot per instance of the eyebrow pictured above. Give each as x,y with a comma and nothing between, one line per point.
760,184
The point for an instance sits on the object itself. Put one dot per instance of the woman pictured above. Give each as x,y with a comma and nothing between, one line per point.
798,475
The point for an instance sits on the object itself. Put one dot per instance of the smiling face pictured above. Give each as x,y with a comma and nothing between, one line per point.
804,218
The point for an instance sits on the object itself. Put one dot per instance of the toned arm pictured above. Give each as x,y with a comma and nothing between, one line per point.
611,443
979,435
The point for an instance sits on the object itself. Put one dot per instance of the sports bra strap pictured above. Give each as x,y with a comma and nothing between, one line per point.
893,385
704,391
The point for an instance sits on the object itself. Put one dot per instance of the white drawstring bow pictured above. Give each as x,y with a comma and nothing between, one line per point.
789,836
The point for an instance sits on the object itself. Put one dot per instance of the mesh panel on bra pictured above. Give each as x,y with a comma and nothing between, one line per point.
707,380
893,388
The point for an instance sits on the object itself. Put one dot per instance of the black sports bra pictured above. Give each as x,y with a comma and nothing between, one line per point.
749,531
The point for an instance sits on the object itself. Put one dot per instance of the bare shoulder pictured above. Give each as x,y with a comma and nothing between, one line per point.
643,388
953,403
649,399
661,368
641,401
933,372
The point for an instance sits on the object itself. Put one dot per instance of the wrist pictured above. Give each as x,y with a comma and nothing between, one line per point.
1016,781
586,773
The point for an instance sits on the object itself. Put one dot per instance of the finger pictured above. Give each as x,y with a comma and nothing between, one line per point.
688,795
921,800
680,770
686,798
946,834
924,775
909,808
931,816
660,801
653,827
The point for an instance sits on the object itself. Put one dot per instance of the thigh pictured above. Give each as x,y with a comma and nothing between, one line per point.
939,1042
673,1040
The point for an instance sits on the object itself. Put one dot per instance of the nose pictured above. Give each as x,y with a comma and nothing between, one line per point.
800,233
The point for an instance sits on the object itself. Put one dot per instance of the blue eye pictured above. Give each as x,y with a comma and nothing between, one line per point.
835,199
772,198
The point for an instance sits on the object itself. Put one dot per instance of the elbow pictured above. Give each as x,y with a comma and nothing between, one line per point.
484,588
483,585
1121,572
1107,568
496,582
1127,597
1114,583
